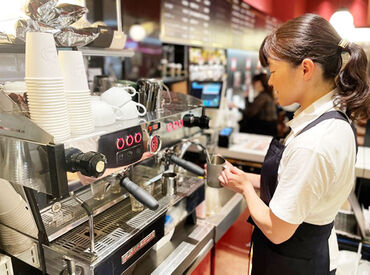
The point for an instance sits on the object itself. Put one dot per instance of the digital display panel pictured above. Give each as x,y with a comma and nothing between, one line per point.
208,92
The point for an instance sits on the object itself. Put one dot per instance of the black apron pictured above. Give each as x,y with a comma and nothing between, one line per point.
307,251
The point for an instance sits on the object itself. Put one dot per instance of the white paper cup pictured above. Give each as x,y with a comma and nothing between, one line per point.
45,86
41,106
41,56
40,102
50,94
43,79
73,70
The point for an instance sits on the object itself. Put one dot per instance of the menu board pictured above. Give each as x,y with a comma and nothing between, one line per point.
216,23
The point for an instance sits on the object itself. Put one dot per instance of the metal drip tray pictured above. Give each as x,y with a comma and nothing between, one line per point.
71,214
117,225
112,228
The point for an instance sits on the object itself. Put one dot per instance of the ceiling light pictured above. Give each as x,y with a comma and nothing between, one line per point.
342,21
137,32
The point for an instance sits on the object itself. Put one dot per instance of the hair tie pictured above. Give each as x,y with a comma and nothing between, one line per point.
343,43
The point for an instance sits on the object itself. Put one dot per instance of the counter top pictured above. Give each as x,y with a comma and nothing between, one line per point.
252,147
249,147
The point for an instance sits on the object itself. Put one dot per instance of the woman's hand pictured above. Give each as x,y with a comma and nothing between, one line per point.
235,179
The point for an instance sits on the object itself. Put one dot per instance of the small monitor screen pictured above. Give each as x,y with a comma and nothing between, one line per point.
208,92
226,131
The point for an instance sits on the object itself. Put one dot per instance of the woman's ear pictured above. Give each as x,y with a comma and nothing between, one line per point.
308,68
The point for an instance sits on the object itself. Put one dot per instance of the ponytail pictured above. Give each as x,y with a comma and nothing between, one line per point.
353,94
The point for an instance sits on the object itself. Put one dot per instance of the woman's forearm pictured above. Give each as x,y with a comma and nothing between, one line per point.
255,179
258,210
275,229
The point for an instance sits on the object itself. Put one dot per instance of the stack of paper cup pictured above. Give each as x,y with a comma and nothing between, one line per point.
45,86
77,92
14,213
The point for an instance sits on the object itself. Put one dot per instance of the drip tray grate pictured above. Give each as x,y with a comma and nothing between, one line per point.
112,228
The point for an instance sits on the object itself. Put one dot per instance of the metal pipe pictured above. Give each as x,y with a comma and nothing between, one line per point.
91,220
119,15
92,234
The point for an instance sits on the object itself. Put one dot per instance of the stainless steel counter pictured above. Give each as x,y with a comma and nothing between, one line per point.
191,243
233,205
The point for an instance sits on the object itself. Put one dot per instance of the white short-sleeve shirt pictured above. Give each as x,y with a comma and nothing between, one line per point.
317,170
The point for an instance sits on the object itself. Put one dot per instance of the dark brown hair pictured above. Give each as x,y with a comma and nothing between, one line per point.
311,36
263,78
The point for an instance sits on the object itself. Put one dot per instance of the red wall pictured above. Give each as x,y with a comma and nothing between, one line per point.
288,9
326,8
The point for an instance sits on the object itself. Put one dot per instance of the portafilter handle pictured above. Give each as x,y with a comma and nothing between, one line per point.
187,165
140,194
193,121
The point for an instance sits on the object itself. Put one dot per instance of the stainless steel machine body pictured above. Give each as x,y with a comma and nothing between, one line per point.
76,232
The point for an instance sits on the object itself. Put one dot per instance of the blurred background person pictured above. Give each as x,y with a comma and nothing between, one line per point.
260,116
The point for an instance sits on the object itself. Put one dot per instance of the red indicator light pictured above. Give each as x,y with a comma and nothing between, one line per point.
138,137
129,140
120,143
150,128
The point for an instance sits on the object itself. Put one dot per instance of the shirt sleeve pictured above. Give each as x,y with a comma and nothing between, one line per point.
302,183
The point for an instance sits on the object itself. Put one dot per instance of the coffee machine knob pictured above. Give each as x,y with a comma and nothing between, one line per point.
91,164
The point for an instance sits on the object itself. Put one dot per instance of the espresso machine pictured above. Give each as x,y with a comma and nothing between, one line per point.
50,217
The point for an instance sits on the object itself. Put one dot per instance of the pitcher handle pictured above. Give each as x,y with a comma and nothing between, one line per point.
168,93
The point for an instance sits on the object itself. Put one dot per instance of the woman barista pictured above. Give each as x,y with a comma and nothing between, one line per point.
305,179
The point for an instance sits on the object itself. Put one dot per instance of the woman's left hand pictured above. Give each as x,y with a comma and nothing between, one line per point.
234,179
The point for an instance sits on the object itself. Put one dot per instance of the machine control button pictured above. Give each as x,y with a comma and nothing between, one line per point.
175,125
169,127
181,123
138,137
129,140
120,156
120,143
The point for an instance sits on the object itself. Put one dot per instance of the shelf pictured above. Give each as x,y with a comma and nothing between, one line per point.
170,79
11,48
87,51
